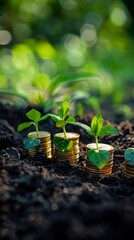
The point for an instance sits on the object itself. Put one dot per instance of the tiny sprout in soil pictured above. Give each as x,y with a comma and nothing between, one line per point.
97,129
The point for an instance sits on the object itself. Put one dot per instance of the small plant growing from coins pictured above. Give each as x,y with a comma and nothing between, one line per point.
61,120
97,129
35,117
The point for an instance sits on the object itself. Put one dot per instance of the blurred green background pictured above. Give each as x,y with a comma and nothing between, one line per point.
42,42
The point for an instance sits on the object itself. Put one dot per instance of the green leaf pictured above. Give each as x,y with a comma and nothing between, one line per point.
129,156
98,158
30,143
70,119
44,117
64,110
71,78
34,115
55,118
108,129
60,124
24,125
84,126
15,92
96,124
63,144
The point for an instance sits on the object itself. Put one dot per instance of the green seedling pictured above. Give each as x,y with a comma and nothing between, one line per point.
47,93
129,156
35,117
97,129
61,120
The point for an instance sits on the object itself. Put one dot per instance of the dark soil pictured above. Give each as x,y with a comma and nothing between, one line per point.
43,199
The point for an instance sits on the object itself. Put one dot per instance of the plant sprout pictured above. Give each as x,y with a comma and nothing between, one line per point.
35,117
62,120
97,129
47,94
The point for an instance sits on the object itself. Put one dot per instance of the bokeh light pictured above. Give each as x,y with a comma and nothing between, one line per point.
5,37
89,34
118,16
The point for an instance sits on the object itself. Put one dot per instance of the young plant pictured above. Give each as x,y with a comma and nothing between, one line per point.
35,117
129,156
61,120
48,92
97,129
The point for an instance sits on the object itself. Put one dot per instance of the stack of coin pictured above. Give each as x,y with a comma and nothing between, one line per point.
107,169
71,155
45,145
128,169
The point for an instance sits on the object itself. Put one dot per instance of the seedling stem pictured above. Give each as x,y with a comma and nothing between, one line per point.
96,140
37,129
64,130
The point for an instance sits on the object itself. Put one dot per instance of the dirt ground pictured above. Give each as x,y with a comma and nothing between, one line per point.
43,199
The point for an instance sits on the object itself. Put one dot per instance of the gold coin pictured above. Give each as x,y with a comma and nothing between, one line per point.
129,168
72,155
108,163
70,135
129,165
95,167
44,146
99,171
67,159
73,151
43,149
67,155
129,175
32,152
130,172
102,146
67,152
110,154
42,134
38,149
101,174
46,143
